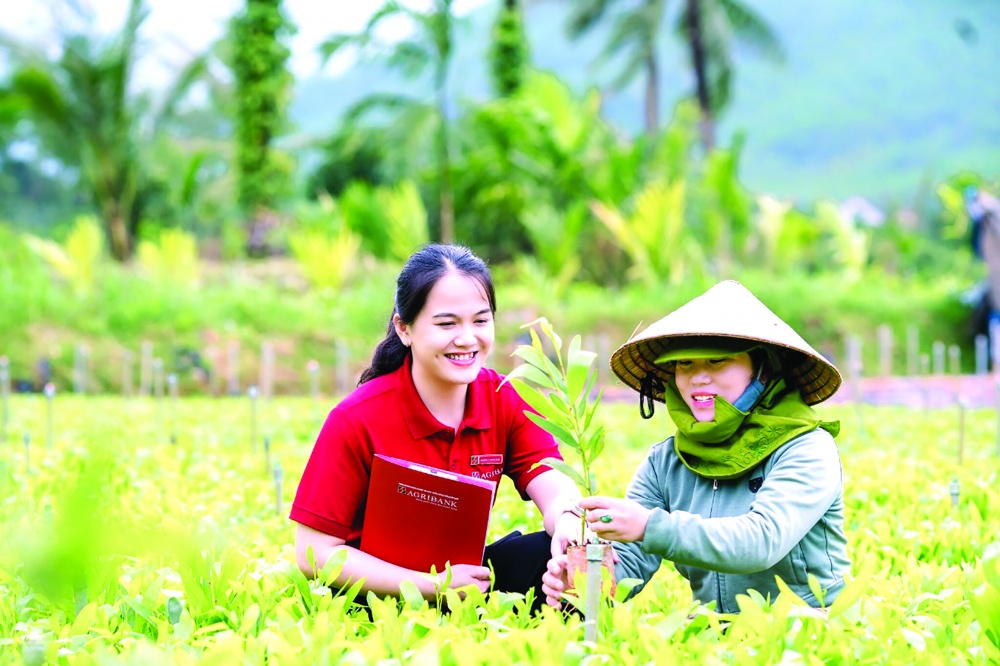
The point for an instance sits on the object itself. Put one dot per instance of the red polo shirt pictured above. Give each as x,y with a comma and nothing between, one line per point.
387,416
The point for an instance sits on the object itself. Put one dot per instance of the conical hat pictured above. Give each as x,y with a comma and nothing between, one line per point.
726,310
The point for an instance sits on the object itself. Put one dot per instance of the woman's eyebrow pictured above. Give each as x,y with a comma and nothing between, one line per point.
455,316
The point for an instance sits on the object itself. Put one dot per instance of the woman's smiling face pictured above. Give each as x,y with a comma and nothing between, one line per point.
453,334
701,380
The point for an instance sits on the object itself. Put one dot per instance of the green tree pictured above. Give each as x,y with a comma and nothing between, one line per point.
263,90
709,28
509,53
634,36
84,113
430,45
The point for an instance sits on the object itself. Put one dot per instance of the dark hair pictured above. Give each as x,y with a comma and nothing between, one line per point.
422,271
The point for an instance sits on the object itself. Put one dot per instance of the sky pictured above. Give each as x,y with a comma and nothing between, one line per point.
176,29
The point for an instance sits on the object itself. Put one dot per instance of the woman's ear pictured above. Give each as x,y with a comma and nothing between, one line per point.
402,330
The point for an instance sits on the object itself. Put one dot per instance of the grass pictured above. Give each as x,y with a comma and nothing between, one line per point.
117,546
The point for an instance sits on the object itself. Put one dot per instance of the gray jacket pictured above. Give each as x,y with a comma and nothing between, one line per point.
784,518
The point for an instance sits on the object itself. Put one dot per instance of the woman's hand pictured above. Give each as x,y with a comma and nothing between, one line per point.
467,574
566,531
616,519
555,580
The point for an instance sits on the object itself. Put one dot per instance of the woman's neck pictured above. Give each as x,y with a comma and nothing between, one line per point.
446,402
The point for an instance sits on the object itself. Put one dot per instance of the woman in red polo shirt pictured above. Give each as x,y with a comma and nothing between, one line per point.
428,398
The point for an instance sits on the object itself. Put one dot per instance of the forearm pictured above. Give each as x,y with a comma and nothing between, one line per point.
377,575
314,549
555,495
740,545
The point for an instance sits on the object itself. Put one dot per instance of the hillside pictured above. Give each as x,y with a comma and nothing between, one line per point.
876,99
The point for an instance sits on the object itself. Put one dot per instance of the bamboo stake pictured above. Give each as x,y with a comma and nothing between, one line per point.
885,350
912,350
982,355
278,474
954,359
50,395
938,349
252,394
146,368
595,555
233,367
266,370
174,396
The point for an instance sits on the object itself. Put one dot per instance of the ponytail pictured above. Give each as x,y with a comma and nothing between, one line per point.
389,356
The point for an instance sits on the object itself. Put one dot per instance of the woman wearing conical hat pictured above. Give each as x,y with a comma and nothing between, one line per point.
750,485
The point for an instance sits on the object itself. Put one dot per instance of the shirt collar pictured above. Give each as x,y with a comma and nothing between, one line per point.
419,419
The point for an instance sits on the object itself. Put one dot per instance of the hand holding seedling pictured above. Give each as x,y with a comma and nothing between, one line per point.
463,575
615,518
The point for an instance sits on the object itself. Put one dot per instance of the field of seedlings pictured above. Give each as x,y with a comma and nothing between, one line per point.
144,531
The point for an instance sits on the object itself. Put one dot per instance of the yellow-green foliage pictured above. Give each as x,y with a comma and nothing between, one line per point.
118,547
326,260
405,217
654,235
77,260
172,259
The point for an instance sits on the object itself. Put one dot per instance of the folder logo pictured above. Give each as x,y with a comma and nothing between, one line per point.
428,496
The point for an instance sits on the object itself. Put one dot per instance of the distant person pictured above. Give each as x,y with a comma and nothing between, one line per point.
427,397
750,485
984,213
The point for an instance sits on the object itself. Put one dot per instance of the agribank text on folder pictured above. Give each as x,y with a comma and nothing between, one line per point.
417,516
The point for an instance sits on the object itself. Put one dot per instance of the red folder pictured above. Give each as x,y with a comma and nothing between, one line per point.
417,516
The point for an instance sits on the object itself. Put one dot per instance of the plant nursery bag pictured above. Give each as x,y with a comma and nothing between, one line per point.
418,516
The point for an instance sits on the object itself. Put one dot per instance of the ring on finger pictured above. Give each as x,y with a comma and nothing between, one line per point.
606,518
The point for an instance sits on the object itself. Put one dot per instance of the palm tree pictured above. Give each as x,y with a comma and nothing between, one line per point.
84,113
635,33
431,44
709,27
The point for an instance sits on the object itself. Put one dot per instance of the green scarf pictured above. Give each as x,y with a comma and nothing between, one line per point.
737,441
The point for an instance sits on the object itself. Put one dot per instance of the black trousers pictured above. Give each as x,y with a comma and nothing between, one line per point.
518,562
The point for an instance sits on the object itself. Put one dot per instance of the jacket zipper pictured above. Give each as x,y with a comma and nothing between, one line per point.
718,575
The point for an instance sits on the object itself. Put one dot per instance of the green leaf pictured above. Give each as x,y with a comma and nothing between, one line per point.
562,466
579,368
559,432
250,618
559,402
583,398
596,445
174,609
532,374
542,362
551,334
84,619
332,567
592,411
847,596
411,595
535,398
625,587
